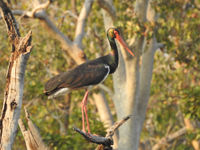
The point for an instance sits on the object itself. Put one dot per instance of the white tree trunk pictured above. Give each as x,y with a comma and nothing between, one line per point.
21,48
132,81
13,103
134,97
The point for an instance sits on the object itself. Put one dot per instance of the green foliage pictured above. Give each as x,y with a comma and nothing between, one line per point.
175,83
191,102
180,23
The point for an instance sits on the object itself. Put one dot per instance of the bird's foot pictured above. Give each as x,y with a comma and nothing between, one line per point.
86,131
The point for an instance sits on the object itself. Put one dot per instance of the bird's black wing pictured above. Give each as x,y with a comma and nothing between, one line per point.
81,76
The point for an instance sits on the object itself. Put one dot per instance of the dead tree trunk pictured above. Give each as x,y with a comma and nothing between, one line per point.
21,48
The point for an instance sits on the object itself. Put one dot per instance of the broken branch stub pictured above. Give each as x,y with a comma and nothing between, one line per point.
31,134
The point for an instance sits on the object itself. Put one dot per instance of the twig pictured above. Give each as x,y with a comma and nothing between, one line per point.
111,130
70,13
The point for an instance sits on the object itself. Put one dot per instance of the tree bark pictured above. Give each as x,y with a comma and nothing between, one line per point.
135,96
21,48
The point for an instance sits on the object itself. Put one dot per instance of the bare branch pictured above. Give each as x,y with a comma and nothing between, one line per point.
106,89
73,50
70,14
39,7
111,130
169,138
108,7
107,140
94,138
159,45
58,119
82,21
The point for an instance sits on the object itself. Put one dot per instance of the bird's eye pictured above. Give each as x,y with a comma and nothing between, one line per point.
111,34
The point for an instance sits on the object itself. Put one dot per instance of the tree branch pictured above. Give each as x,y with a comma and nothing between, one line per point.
73,50
169,138
81,22
110,9
106,89
38,8
58,119
106,141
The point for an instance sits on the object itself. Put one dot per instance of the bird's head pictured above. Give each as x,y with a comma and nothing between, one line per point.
113,33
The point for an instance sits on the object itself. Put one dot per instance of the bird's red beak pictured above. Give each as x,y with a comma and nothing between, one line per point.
119,38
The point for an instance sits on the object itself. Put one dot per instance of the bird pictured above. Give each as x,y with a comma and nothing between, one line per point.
88,74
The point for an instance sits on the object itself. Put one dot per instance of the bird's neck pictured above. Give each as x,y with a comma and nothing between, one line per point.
113,62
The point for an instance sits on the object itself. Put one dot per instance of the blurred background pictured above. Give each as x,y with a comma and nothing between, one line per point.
174,102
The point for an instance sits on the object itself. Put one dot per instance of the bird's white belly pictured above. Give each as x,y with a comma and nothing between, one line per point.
60,92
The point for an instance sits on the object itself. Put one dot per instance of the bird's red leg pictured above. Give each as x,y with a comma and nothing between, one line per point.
83,119
85,109
84,101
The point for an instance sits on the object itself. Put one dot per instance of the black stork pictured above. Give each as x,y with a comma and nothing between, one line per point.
87,74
